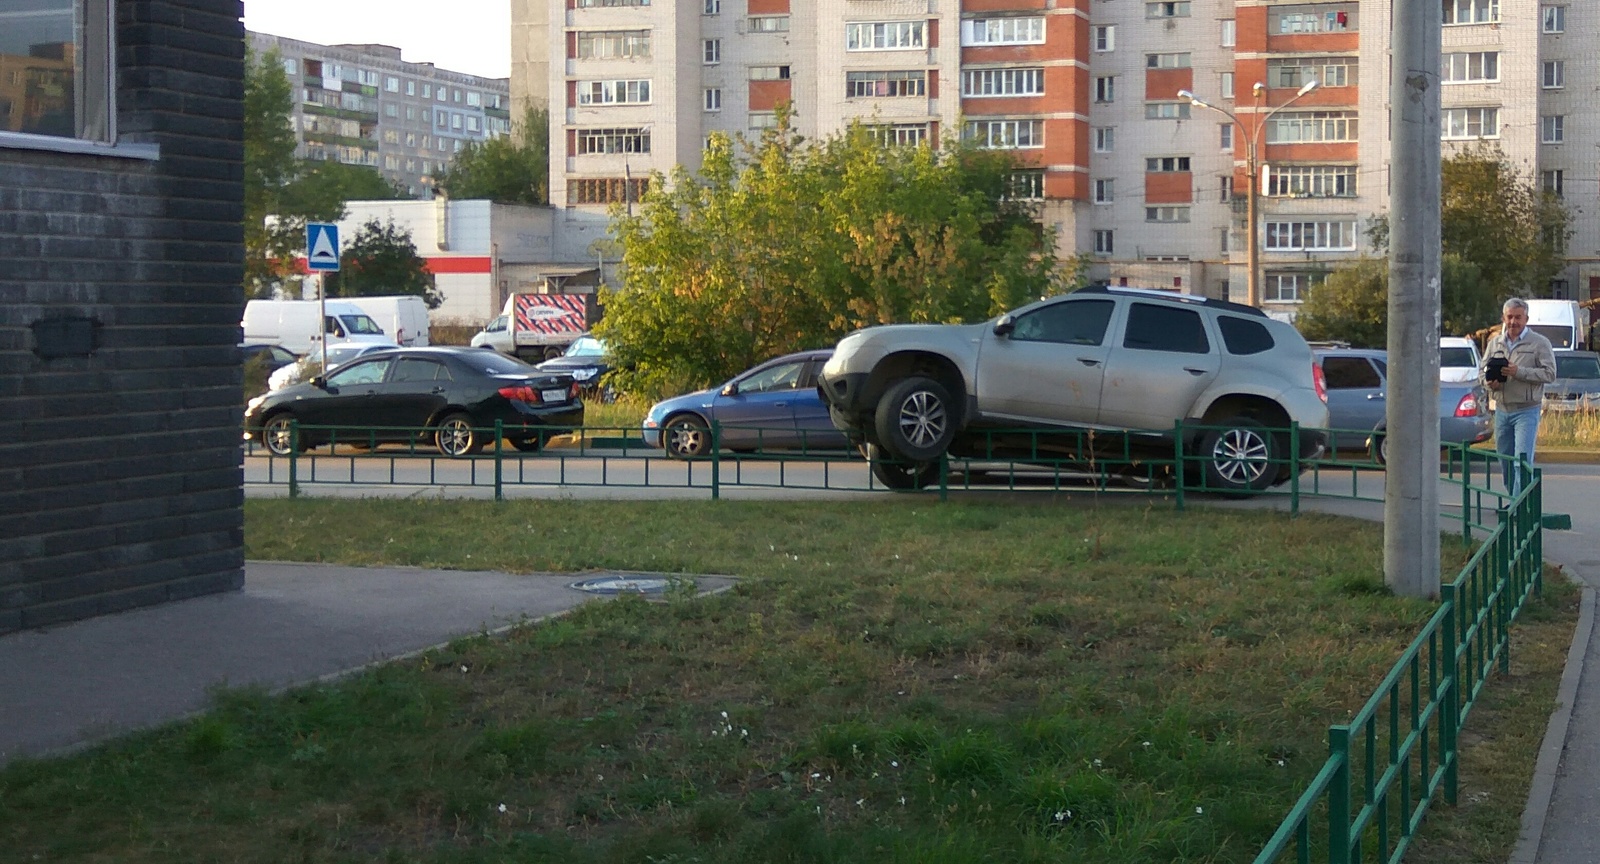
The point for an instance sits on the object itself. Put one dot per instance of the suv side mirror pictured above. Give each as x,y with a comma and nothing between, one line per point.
730,389
1004,326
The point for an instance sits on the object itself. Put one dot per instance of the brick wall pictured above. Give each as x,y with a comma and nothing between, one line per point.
120,474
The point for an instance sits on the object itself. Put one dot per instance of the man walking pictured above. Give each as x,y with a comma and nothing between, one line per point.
1517,363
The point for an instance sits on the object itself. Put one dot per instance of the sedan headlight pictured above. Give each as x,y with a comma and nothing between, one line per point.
254,403
584,374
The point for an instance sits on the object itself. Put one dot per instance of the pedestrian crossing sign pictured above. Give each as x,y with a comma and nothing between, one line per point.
322,247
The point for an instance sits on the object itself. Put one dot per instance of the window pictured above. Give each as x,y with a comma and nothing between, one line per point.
1290,286
1554,75
1223,234
1469,66
391,110
418,369
1005,134
391,136
769,24
885,36
596,4
1311,181
455,121
1552,129
1225,84
899,134
391,84
1225,136
411,88
613,44
1166,214
1555,19
1230,33
1471,11
1326,71
1025,185
888,83
712,7
1461,123
606,190
1179,9
1105,139
1002,82
1312,126
769,73
1551,182
1002,31
60,70
1322,18
1350,373
1164,328
1104,191
1166,61
762,120
1105,88
784,376
441,94
711,51
474,99
1226,189
1166,164
634,92
1166,110
1244,336
1105,37
1310,236
427,91
367,77
1103,242
1071,322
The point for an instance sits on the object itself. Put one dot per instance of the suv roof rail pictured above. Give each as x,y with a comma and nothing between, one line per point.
1331,343
1159,294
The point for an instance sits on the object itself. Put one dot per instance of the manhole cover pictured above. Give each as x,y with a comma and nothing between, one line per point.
624,584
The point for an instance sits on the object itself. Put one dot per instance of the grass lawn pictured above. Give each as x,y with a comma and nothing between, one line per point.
891,681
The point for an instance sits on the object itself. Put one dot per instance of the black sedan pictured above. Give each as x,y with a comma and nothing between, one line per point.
450,395
585,360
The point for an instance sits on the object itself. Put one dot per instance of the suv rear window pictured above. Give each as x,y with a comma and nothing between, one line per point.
1243,336
1163,328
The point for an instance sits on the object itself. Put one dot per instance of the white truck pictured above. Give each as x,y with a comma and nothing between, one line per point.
298,325
1563,322
404,317
539,327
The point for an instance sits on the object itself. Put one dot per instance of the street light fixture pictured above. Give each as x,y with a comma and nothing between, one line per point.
1252,142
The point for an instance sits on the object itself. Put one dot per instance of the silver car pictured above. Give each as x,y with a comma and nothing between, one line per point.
1577,384
1358,386
1120,360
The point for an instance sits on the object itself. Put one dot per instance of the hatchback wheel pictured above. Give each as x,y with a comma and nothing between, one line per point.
1239,457
456,438
277,435
686,437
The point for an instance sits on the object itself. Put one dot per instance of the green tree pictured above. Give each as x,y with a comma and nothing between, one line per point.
321,188
1353,304
793,244
507,170
382,260
269,167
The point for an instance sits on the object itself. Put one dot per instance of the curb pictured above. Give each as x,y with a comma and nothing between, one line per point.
1548,764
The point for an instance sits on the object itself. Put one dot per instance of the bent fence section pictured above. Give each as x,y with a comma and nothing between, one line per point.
1397,754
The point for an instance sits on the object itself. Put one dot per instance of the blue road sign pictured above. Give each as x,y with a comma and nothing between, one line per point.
322,247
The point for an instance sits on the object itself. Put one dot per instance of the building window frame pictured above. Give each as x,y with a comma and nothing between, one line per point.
710,52
1103,38
1464,12
1469,67
1553,74
885,83
1105,241
1001,83
1309,235
983,32
885,35
1018,134
711,99
1553,19
92,82
1105,191
1552,129
1105,139
1469,123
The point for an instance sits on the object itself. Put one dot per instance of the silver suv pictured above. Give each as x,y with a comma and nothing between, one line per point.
1112,359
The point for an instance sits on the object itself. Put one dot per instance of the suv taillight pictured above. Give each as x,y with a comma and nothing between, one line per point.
1468,406
1320,380
522,393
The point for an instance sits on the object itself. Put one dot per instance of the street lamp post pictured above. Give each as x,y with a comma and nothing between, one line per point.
1252,138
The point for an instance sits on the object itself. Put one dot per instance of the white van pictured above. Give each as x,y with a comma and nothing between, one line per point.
1563,322
294,324
404,316
1458,360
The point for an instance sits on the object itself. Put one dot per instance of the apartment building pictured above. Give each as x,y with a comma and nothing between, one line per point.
364,105
1150,184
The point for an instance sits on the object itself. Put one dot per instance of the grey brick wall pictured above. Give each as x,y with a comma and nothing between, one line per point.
120,471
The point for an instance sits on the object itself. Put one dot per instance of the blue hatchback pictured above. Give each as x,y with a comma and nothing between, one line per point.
772,406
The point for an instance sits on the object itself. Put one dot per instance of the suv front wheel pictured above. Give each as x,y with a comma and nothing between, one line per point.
1239,456
915,420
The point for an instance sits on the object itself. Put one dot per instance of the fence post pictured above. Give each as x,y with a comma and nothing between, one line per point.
294,458
1466,495
1505,564
716,460
1536,554
1294,467
1339,797
499,432
944,477
1177,461
1450,706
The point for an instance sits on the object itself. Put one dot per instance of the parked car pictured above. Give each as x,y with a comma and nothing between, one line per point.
274,357
774,405
1577,384
305,367
1458,359
454,393
585,360
1357,381
1101,358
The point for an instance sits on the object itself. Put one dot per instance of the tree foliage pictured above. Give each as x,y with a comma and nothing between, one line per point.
794,244
507,170
323,187
269,167
1353,304
382,260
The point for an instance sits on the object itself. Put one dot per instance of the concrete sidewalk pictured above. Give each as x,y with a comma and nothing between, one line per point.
83,682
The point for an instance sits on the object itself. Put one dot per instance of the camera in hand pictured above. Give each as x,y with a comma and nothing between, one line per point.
1495,370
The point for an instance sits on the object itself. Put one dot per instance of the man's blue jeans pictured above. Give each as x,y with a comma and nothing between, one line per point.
1514,434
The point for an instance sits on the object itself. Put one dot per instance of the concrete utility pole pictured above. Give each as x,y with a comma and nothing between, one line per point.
1411,490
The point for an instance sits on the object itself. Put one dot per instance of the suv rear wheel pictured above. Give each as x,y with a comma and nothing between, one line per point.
1239,456
915,420
899,474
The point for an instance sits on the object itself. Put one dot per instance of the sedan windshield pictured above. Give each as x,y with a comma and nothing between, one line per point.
1455,357
1577,367
586,346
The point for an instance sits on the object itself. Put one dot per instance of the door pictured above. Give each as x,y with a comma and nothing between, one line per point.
1049,368
1355,399
1165,360
414,393
760,413
348,400
813,427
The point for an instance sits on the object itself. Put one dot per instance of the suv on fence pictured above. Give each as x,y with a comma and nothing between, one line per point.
1125,361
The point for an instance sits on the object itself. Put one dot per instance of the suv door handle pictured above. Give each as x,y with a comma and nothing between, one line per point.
436,390
1088,361
1193,371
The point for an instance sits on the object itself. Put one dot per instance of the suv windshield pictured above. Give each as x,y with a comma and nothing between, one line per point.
361,324
1577,367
